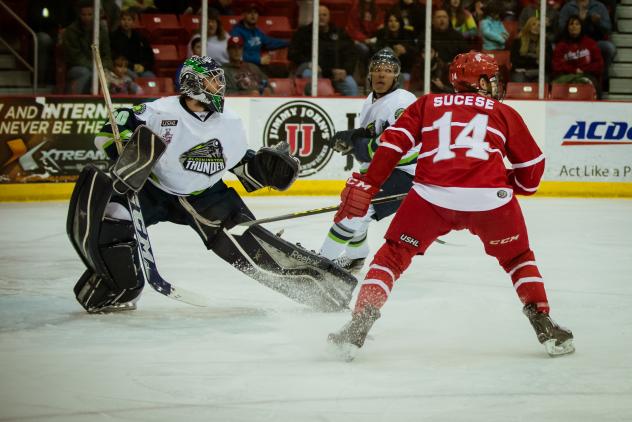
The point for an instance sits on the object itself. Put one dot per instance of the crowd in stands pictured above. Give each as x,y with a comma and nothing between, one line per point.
577,46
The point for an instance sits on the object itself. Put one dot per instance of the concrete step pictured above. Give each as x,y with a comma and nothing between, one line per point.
621,85
15,78
626,2
624,11
622,40
619,97
624,25
8,61
621,70
624,55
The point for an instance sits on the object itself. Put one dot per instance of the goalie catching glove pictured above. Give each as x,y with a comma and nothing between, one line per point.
269,167
355,198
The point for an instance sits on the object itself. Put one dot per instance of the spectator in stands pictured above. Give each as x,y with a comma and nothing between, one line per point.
224,7
76,43
194,49
119,81
492,29
254,38
477,9
577,58
439,81
400,39
525,53
216,38
139,6
336,53
445,40
131,44
552,17
414,16
462,20
365,18
596,24
243,78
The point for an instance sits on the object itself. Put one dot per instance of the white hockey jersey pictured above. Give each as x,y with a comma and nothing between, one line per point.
199,149
377,115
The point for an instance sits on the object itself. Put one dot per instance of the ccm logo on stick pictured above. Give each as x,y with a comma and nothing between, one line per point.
410,240
504,241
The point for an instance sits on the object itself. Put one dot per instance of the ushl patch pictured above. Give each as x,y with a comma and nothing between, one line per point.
207,158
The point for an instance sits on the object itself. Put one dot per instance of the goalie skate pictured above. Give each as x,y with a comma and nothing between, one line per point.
556,340
352,335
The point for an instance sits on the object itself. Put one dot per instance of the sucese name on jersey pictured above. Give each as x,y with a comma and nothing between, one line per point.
459,99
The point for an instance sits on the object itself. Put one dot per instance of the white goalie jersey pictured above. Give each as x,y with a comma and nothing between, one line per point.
200,148
377,115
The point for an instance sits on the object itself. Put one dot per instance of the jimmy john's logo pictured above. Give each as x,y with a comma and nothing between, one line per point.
307,129
206,158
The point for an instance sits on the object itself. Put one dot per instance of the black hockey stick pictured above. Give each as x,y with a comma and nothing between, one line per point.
323,210
148,262
315,211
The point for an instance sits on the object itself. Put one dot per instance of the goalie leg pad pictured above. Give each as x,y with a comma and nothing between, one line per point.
299,274
121,280
106,246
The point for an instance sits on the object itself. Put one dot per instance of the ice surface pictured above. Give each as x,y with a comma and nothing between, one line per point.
452,343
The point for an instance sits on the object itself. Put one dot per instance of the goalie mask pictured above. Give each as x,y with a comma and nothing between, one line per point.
476,72
385,60
202,79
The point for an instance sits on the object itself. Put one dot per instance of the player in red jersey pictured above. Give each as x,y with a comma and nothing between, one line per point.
461,182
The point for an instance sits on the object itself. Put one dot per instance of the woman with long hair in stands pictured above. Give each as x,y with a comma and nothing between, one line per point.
525,53
461,19
399,38
577,58
216,38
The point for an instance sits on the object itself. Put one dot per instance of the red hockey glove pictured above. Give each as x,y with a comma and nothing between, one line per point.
355,198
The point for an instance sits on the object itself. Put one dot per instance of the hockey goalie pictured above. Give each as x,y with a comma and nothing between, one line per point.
175,152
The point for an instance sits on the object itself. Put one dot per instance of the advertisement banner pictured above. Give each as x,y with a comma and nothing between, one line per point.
308,126
48,139
588,142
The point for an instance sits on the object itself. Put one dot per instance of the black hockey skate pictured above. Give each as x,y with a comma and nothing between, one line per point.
353,265
556,340
352,335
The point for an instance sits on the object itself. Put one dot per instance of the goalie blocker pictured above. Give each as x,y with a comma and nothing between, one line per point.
111,253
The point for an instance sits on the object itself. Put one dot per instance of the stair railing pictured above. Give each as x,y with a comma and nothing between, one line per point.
33,68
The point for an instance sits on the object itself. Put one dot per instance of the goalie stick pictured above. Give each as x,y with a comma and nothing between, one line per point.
148,262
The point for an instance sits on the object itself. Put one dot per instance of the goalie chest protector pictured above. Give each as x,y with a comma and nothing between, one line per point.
199,151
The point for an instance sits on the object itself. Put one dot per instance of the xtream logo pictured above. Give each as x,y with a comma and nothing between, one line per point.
307,128
54,160
598,133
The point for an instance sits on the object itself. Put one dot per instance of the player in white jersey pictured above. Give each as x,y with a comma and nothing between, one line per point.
203,142
346,243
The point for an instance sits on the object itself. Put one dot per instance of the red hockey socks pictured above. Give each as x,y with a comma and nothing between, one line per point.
389,263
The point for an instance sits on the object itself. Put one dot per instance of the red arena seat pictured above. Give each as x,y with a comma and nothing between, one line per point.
579,92
524,91
283,87
163,28
276,26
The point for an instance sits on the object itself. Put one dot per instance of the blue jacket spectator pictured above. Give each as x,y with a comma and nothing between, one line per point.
254,38
492,29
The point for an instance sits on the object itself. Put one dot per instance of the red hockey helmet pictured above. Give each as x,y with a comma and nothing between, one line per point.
468,69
